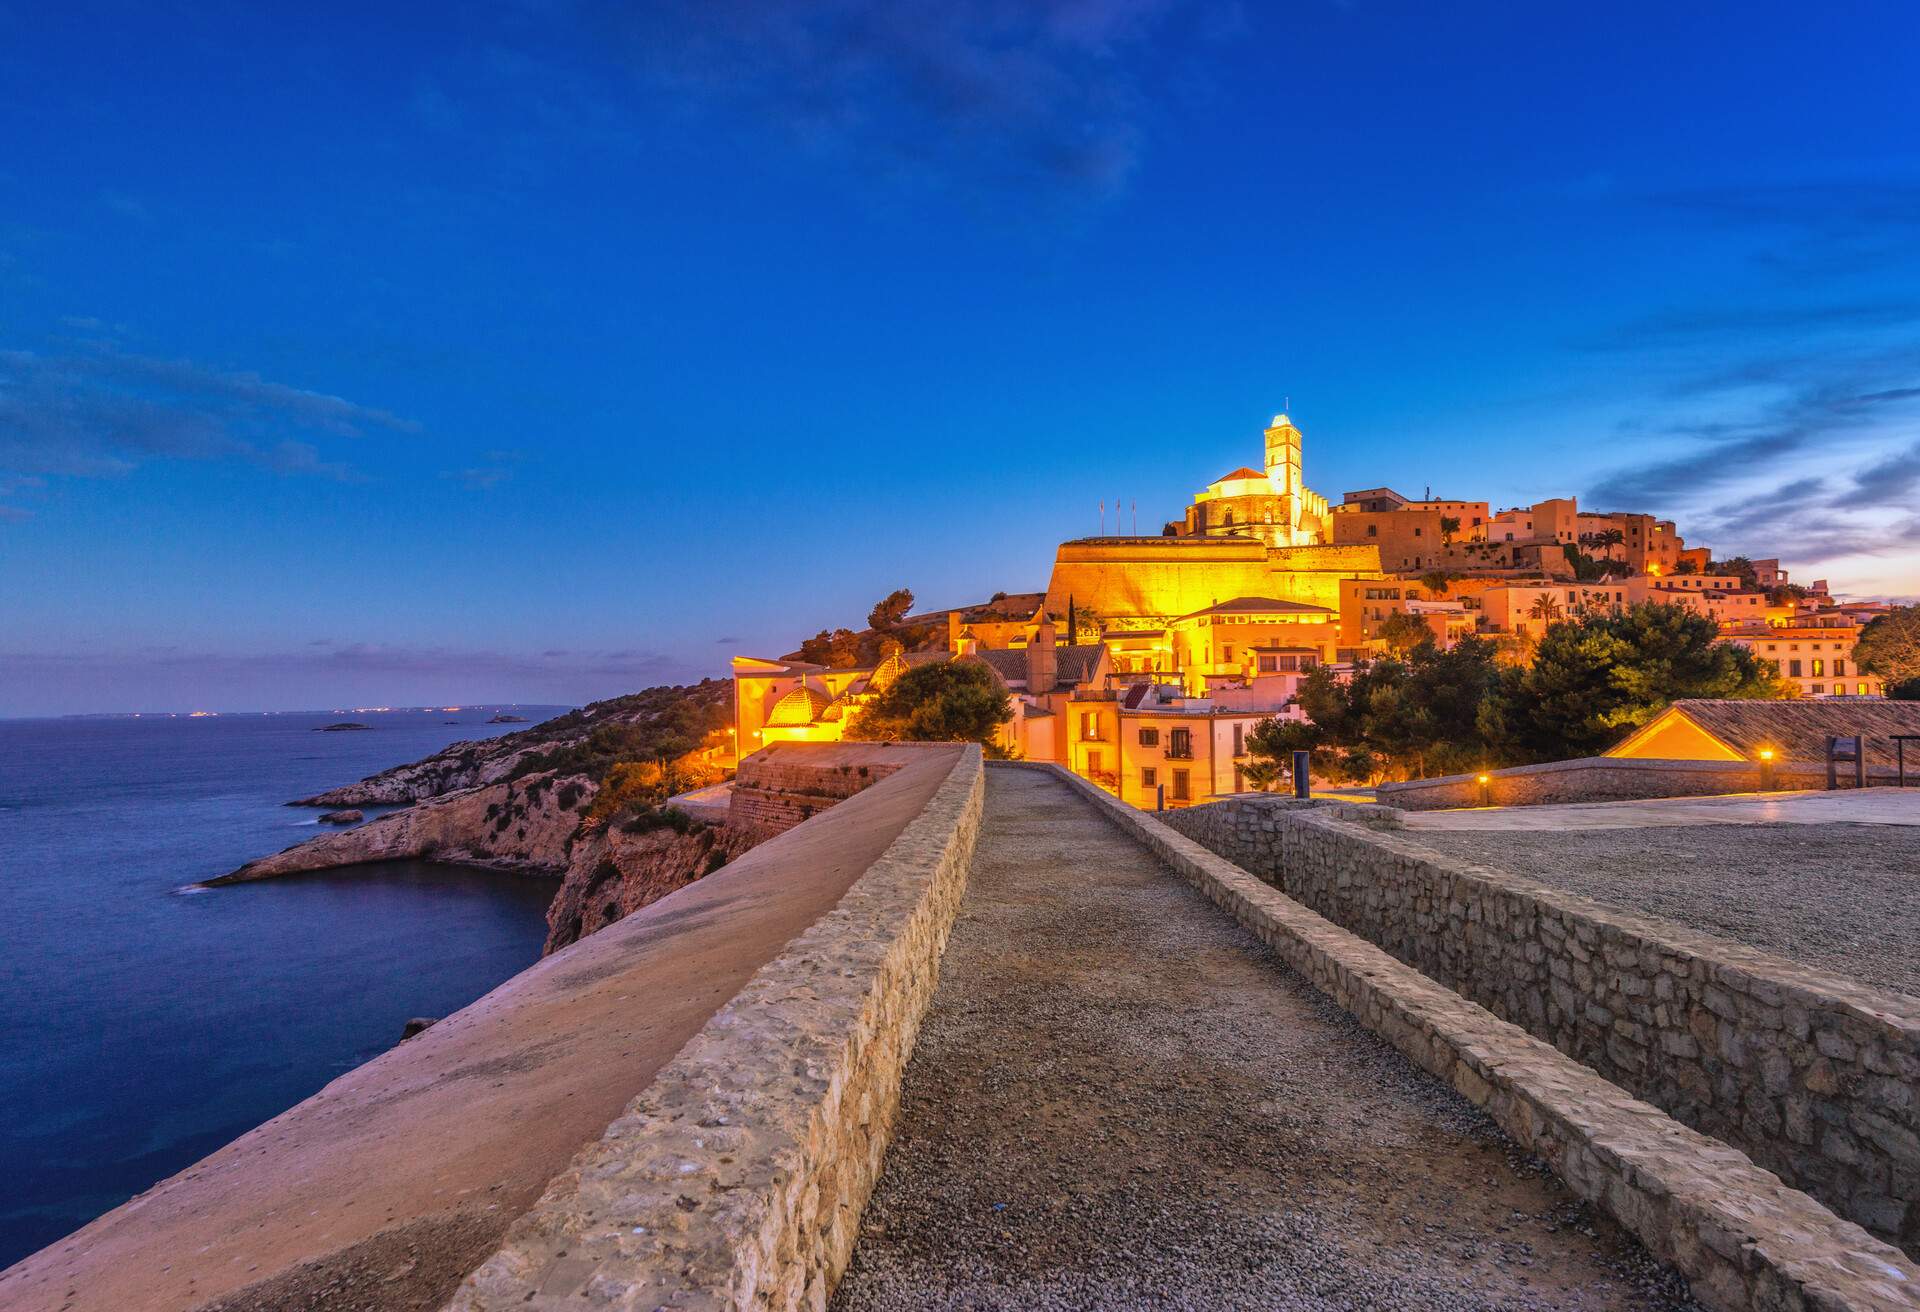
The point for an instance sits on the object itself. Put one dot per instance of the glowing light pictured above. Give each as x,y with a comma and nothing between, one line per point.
1486,778
1766,753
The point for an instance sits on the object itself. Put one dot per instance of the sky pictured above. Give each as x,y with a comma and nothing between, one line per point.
548,350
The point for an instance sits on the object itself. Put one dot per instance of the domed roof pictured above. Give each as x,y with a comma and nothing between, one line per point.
888,672
802,706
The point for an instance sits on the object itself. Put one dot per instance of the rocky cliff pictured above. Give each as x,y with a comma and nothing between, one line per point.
661,721
615,872
526,825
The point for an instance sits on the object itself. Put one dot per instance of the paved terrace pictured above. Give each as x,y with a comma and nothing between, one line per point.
1120,1098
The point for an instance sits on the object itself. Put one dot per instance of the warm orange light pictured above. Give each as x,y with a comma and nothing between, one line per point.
1486,778
1766,753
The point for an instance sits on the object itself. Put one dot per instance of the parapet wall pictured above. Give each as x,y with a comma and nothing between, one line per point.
1743,1239
1814,1076
737,1178
785,784
1605,779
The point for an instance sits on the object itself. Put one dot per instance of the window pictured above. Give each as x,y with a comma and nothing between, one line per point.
1373,530
1180,793
1239,780
1149,777
1793,668
1417,532
1090,726
1839,668
1860,688
1819,690
1149,738
1269,664
1180,745
1093,762
1239,742
1819,668
1226,653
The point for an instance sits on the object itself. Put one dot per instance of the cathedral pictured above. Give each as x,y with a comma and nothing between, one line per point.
1275,507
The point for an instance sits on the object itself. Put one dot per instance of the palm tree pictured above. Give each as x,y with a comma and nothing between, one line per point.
1435,581
1608,539
1544,608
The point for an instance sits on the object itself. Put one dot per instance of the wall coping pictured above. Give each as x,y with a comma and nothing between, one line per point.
1743,1239
1878,1007
736,1178
1651,765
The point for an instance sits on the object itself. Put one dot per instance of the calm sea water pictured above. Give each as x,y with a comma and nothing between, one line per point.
141,1028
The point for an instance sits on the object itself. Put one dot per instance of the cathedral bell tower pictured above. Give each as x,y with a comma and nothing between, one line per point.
1283,458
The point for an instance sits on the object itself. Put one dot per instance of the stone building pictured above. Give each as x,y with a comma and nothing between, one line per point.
1273,505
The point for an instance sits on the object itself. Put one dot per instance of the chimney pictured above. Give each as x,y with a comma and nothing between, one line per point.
1043,666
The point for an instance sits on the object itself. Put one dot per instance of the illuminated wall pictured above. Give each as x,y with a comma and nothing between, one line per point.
1164,578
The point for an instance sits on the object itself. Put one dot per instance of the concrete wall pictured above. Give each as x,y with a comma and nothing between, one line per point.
737,1178
1744,1240
1605,779
1814,1076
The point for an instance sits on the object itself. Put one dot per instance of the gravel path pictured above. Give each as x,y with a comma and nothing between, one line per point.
1842,897
1120,1099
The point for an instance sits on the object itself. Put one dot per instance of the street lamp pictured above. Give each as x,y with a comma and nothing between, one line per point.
1486,788
1766,769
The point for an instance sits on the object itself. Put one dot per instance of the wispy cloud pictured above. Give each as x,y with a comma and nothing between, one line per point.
496,468
100,411
1052,94
1790,424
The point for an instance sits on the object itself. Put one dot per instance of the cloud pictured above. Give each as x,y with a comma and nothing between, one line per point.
1053,95
14,514
1665,328
102,412
726,642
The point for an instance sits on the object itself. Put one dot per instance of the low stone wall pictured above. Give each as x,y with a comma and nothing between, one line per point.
1604,779
1813,1075
786,784
736,1180
1743,1239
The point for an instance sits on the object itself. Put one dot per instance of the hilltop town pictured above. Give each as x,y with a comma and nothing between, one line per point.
1149,662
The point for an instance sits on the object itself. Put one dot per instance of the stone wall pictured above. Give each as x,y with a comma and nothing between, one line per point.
1603,779
736,1180
1742,1238
1814,1076
785,784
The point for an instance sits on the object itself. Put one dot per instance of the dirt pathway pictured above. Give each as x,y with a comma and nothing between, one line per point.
1122,1099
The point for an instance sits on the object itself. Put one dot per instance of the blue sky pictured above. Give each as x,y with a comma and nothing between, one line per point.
548,350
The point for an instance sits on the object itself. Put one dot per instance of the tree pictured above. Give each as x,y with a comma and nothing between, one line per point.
949,701
1404,717
838,650
1402,632
1594,680
1436,581
1607,539
1740,565
1449,525
1889,646
1544,608
890,610
1906,691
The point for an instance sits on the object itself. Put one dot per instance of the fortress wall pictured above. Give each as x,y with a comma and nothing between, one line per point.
1814,1076
737,1178
1177,576
1743,1239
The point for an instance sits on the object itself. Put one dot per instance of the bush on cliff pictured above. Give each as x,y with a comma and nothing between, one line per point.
951,701
664,723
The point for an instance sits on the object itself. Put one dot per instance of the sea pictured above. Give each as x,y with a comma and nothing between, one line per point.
143,1026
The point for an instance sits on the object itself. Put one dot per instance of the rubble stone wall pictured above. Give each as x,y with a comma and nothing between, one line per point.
1814,1076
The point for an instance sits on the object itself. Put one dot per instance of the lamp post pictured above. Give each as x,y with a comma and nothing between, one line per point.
1485,781
1766,769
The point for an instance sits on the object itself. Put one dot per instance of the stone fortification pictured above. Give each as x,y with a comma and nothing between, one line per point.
736,1179
1743,1239
1605,779
1815,1076
1170,577
783,784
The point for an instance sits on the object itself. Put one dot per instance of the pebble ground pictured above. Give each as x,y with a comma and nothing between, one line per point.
1121,1099
1840,897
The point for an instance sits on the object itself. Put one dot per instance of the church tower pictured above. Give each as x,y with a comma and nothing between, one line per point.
1283,458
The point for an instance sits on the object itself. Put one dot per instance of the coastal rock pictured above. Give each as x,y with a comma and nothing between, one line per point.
614,873
344,726
343,817
418,1025
479,762
508,719
526,825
